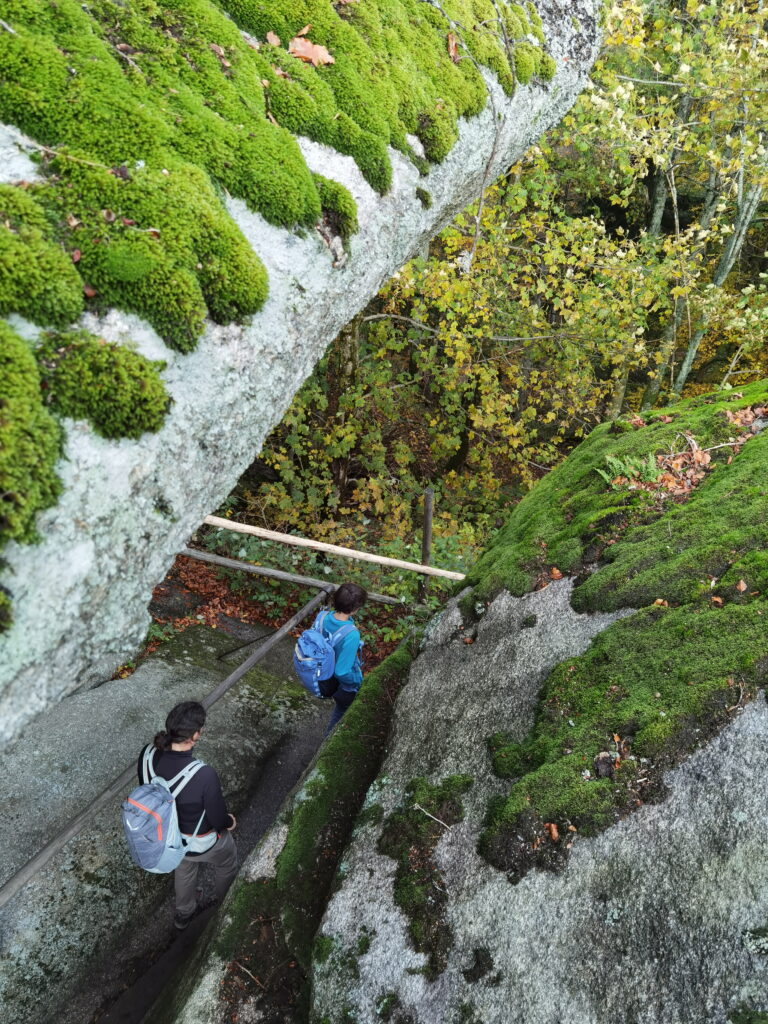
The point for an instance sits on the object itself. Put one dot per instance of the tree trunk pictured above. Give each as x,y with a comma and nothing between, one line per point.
728,257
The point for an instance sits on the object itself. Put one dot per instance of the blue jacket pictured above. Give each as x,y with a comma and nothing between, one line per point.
348,671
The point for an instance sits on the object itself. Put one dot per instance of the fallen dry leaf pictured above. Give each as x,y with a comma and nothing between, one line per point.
76,255
717,601
453,48
637,422
89,291
218,50
552,830
303,31
555,573
72,220
660,601
741,586
272,39
310,52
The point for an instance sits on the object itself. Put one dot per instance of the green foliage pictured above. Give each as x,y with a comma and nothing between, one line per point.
30,443
410,835
645,470
118,390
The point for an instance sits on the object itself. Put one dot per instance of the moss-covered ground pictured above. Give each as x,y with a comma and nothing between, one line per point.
271,924
655,684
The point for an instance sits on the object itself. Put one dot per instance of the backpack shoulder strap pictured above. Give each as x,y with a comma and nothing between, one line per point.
320,619
178,782
341,632
147,764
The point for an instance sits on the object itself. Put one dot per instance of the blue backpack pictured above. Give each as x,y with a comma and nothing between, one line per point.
314,656
150,821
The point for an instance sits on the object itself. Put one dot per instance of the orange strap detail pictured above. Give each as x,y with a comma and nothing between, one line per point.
154,815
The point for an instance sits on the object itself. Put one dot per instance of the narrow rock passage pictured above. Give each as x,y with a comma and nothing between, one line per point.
90,924
152,973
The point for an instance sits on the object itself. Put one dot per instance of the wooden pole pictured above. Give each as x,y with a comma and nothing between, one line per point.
17,881
426,537
277,574
331,549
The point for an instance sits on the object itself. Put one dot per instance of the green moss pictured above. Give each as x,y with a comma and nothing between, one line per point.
410,835
322,948
573,514
744,1015
30,442
424,198
527,61
119,391
37,278
547,67
661,680
386,1005
149,111
339,208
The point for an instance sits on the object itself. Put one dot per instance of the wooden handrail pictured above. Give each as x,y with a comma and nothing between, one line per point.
331,549
278,574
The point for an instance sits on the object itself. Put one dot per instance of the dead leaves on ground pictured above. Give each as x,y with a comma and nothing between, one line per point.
303,48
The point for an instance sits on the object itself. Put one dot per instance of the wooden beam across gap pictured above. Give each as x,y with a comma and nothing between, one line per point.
331,549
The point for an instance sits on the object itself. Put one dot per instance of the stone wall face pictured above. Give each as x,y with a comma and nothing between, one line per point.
80,596
647,923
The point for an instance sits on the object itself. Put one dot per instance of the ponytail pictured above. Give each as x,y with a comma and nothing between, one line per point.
182,723
162,740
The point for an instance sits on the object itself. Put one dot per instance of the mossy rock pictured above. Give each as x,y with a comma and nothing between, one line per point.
119,391
339,208
37,278
30,443
658,683
410,835
149,111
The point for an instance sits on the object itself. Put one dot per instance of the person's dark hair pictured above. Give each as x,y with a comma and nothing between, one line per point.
349,597
182,723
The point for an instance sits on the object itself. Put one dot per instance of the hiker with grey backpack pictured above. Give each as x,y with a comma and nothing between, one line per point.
177,818
327,656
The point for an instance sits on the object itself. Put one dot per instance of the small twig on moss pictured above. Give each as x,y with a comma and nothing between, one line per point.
420,808
7,27
726,444
738,702
238,964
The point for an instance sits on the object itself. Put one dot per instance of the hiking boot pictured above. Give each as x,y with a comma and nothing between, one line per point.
180,921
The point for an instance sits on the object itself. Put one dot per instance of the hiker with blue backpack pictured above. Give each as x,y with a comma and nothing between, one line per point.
327,656
177,817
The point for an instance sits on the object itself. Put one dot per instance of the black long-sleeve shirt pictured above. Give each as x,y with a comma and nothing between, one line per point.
202,792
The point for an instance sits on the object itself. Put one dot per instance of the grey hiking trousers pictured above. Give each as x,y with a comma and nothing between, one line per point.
223,857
